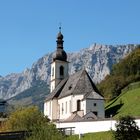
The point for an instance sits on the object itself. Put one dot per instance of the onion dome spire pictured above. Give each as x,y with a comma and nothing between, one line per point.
60,54
59,39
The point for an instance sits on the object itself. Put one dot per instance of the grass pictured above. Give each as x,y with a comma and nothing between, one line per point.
128,103
93,136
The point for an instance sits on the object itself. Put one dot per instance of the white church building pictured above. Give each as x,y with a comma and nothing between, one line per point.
72,97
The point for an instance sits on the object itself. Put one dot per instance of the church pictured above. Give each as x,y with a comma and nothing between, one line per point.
72,97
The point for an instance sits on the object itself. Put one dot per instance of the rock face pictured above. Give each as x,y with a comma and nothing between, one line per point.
97,60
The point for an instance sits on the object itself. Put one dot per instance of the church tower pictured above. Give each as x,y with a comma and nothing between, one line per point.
59,66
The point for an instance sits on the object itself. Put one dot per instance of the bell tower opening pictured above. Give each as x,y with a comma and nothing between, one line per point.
61,71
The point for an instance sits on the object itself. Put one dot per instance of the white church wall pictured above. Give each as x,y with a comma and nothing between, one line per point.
55,110
48,109
65,107
75,98
95,106
45,109
91,126
68,105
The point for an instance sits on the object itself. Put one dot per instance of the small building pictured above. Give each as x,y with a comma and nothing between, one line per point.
71,96
3,107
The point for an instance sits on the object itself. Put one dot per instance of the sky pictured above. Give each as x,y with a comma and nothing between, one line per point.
28,28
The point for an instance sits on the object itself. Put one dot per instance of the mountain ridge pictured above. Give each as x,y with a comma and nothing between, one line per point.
97,59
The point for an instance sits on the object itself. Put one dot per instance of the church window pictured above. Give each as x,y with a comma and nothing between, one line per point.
52,88
70,87
95,112
62,108
50,109
78,105
61,70
66,107
69,106
58,113
52,71
94,104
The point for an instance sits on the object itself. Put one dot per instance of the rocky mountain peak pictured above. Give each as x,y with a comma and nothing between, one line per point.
97,59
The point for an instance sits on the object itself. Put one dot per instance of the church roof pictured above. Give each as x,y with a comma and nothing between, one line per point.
79,83
56,92
90,116
75,117
93,95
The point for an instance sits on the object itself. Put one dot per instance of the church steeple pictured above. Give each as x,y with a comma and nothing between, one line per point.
60,54
59,66
59,40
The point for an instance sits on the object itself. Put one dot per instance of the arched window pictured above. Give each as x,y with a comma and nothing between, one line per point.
78,105
61,71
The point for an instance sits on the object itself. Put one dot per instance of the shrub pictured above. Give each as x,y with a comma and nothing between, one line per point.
126,129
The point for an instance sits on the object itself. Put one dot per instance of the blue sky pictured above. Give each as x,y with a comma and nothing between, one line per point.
28,28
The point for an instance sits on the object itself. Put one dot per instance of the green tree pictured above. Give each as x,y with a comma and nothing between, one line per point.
24,119
126,129
32,120
45,132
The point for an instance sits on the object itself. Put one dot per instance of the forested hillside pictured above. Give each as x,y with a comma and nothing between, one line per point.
122,74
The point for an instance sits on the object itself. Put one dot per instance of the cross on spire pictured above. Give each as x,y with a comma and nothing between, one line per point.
60,27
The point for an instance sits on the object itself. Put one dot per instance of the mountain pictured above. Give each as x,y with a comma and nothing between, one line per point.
35,95
97,60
